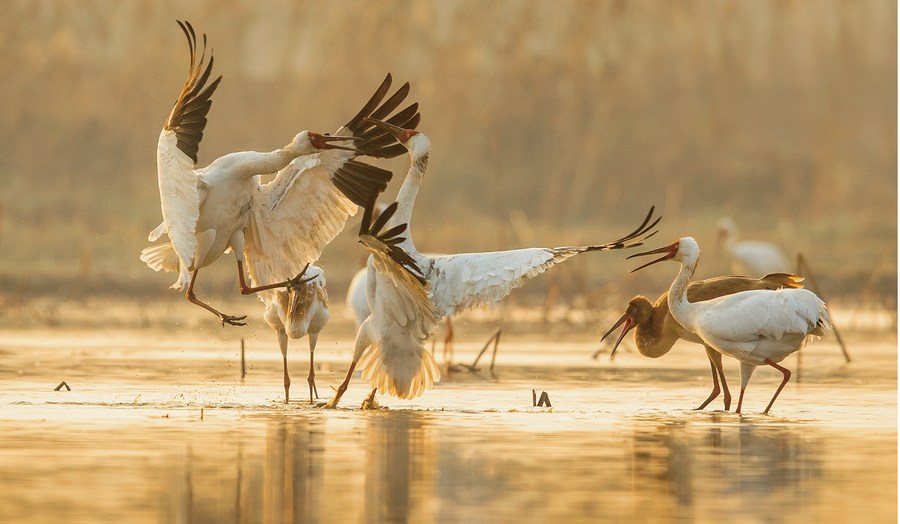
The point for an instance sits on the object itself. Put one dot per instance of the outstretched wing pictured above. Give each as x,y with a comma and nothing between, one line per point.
176,156
473,279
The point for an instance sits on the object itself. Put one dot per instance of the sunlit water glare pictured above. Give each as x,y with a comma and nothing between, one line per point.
159,427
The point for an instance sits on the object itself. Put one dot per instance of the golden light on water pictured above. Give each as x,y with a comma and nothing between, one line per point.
165,429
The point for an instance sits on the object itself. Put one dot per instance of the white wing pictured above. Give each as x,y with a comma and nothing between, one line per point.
295,216
469,280
749,316
176,155
463,281
179,199
406,299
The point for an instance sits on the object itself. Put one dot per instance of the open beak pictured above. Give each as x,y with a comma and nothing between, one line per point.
324,142
629,324
402,135
669,251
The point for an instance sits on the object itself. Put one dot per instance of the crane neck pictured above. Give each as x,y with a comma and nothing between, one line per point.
247,164
406,197
652,338
678,302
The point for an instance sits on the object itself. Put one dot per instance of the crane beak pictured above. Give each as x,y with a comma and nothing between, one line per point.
401,134
669,251
324,142
629,325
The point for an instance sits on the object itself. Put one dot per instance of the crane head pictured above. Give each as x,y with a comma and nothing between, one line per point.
669,253
402,135
629,325
685,250
639,311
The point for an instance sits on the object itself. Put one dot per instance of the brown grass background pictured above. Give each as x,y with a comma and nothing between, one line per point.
552,123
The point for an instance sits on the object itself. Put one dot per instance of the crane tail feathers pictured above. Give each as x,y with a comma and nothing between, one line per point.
395,373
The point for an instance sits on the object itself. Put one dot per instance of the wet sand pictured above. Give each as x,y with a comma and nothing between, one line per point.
159,427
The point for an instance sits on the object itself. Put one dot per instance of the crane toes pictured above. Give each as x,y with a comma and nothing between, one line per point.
297,280
233,320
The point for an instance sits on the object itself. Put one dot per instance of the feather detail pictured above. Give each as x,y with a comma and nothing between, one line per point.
405,372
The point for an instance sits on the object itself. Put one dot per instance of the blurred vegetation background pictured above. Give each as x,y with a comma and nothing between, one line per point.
552,123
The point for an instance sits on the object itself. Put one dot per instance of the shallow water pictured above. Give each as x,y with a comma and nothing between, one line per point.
159,427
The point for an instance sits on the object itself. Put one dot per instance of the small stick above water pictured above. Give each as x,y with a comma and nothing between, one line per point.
62,385
243,361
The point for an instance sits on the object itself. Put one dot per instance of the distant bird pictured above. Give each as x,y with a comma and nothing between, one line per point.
205,211
298,213
392,337
755,327
750,257
656,331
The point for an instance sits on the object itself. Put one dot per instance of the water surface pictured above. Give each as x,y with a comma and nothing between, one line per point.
159,427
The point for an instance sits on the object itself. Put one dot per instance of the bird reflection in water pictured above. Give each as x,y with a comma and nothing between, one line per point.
746,469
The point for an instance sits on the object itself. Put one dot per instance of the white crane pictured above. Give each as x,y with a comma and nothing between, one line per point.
358,305
206,210
750,257
755,327
655,331
397,362
295,215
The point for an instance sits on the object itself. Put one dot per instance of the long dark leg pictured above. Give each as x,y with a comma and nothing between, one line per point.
740,401
716,359
226,319
248,290
715,390
787,376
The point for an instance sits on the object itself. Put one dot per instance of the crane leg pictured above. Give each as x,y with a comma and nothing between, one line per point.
740,401
287,380
448,344
333,403
715,390
249,290
311,376
716,359
787,376
226,319
362,342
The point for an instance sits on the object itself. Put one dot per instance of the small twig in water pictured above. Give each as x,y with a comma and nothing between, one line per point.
473,367
544,401
243,361
62,385
803,270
